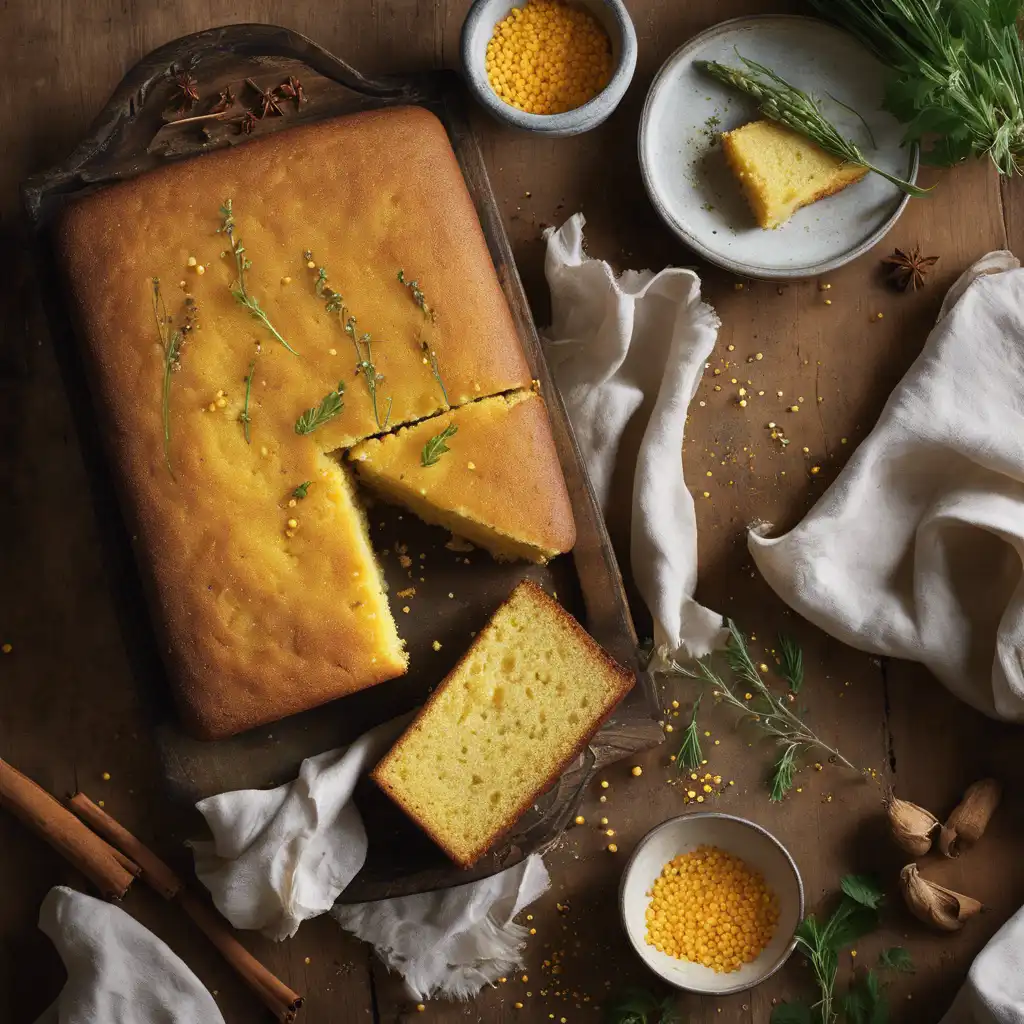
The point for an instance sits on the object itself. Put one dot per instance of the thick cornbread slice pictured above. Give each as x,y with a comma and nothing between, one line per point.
500,484
260,620
781,170
503,725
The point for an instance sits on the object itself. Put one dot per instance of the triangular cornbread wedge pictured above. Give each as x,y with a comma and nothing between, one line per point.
503,725
499,484
780,170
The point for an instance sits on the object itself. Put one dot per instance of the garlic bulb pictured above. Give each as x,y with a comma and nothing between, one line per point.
912,827
969,819
934,904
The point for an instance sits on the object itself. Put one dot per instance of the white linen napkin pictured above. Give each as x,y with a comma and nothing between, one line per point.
118,971
635,347
916,550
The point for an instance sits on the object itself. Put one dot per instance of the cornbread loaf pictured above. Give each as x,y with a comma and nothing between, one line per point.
781,170
503,725
499,485
260,618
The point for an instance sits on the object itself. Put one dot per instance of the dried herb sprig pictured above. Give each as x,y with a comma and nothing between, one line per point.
770,712
171,342
417,296
363,343
437,446
326,409
690,755
429,355
243,417
242,264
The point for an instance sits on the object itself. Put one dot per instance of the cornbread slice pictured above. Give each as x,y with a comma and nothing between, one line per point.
781,170
258,620
503,725
499,486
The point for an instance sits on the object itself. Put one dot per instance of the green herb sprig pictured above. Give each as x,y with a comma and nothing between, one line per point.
363,343
791,663
302,490
326,409
171,342
784,103
437,446
243,417
417,296
690,755
429,355
773,714
956,72
638,1006
242,264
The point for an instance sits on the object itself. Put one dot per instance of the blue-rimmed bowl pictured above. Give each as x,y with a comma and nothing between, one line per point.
477,31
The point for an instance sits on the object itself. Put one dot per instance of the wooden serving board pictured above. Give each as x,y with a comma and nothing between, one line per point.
456,591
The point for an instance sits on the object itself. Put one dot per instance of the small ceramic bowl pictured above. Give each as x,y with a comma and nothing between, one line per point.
759,849
476,34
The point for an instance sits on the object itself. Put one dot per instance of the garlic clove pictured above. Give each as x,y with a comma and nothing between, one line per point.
934,904
912,827
969,819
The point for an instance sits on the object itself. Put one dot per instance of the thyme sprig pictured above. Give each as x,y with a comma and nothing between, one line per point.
243,417
363,343
770,712
785,104
171,342
690,755
242,264
326,409
429,355
437,446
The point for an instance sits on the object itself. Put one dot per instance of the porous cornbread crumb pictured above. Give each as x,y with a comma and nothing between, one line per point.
499,486
257,624
530,691
780,170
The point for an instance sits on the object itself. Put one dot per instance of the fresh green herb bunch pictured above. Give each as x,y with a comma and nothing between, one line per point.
956,72
363,343
171,342
242,264
784,103
437,446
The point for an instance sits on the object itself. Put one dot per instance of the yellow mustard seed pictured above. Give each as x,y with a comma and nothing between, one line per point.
612,848
580,820
547,57
7,648
711,908
636,771
105,776
420,1008
604,783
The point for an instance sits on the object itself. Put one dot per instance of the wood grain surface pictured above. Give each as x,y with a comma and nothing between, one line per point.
69,707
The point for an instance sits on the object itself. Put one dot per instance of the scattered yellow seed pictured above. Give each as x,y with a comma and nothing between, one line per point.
706,494
675,703
436,645
738,286
286,280
879,316
636,770
691,793
200,270
101,803
221,402
604,783
853,952
794,408
525,977
332,351
828,302
762,667
708,473
419,1006
470,465
759,356
533,931
748,696
815,470
707,788
609,832
309,960
824,287
700,799
212,407
293,524
842,440
743,403
7,648
743,391
603,822
192,261
105,776
612,848
580,820
311,264
603,799
518,1006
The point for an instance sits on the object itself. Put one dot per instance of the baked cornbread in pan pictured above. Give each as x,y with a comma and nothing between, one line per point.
499,486
268,602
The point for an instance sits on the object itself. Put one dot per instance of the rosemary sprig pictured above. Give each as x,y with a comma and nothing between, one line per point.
303,489
429,355
791,663
690,755
326,409
363,343
436,446
244,418
171,342
242,264
784,103
771,713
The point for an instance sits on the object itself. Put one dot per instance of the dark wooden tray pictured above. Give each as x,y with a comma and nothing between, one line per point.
137,131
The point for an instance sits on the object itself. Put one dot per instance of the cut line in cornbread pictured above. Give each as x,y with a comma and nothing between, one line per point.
499,485
503,725
780,170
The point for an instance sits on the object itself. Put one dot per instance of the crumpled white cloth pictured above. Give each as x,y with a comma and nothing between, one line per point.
916,550
994,990
626,347
452,942
118,971
283,855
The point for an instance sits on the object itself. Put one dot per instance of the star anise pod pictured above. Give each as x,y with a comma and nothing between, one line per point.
225,101
188,93
267,99
291,90
909,268
247,122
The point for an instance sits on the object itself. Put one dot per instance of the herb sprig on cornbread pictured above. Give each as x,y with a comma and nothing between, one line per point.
242,264
326,409
243,417
437,446
171,341
429,355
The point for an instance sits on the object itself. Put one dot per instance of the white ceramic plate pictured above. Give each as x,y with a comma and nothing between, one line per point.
686,175
758,848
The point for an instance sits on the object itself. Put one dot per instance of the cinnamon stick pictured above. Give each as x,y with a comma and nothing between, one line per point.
277,996
109,870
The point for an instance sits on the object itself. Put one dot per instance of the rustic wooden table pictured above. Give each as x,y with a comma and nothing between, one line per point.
69,709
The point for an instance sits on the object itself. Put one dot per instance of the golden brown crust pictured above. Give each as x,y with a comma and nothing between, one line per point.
625,681
256,625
